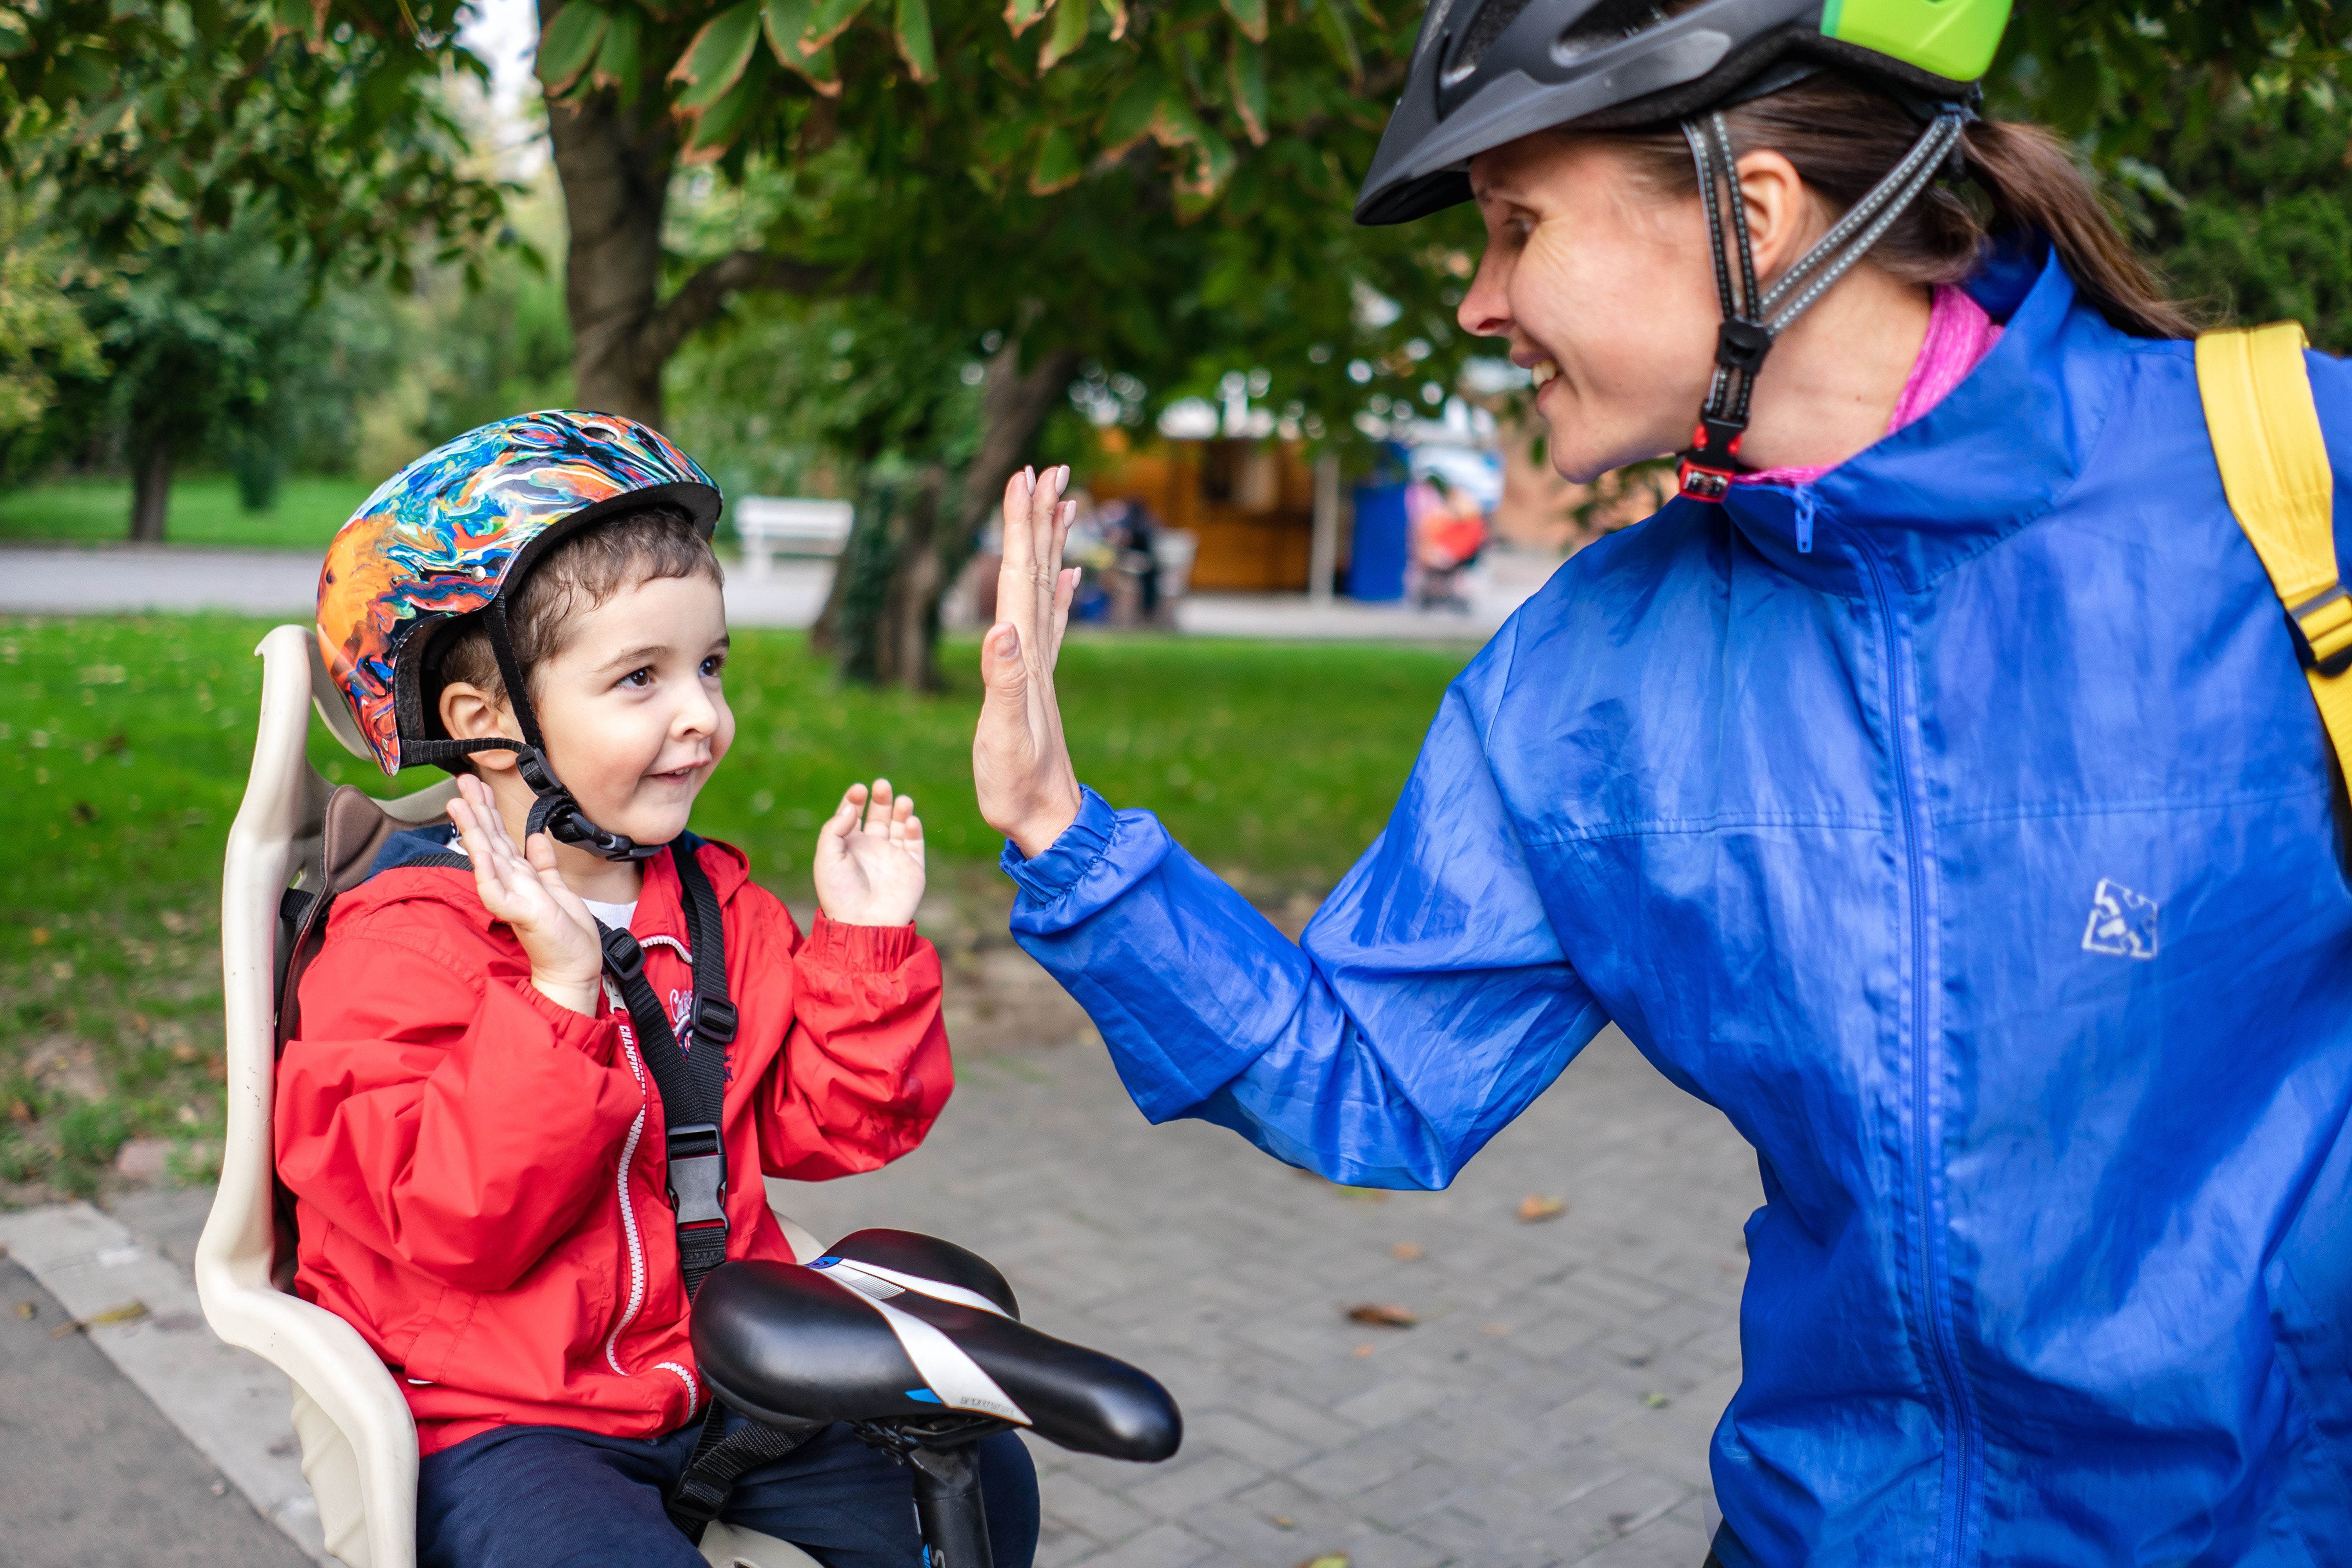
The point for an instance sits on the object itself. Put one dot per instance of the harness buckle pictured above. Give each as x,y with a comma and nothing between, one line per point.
2322,625
622,956
697,1175
713,1019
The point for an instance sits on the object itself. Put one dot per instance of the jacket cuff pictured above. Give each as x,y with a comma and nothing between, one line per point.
592,1037
869,950
1047,875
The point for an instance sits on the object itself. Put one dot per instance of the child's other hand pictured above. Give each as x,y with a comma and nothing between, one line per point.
525,890
870,873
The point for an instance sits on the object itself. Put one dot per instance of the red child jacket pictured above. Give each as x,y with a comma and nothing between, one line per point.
477,1172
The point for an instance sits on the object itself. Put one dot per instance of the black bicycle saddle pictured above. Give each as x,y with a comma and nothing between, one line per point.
889,1326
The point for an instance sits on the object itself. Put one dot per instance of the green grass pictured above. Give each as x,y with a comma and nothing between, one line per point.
124,745
204,511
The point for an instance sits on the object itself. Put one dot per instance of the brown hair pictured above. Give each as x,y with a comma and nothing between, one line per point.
1843,136
576,575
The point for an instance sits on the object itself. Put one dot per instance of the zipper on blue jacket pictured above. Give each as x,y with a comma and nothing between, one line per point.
1935,1264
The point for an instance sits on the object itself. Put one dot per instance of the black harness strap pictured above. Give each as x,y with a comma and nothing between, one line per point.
693,1082
721,1457
689,1067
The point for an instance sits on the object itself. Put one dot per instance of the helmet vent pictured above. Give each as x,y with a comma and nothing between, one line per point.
1595,28
1611,22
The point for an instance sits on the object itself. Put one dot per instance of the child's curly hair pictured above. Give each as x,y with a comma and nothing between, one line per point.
578,574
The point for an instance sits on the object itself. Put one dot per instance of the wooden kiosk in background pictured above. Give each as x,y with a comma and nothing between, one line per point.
1250,504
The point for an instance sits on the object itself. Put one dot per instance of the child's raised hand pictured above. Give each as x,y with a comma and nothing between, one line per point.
525,890
870,859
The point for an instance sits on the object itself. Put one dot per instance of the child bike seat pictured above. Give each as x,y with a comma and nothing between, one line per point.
889,1327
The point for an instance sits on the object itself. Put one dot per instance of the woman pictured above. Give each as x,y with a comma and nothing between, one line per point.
1933,787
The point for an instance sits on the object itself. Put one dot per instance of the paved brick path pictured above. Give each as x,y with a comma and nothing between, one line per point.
1552,1405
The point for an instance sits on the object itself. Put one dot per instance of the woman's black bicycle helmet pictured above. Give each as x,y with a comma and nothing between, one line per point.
1486,72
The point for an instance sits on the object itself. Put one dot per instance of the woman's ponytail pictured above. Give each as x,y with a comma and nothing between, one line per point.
2032,183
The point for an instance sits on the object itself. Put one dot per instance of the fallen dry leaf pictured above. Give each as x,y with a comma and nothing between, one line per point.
1494,1328
1361,1352
1284,1521
128,1312
1329,1559
1383,1315
1656,1401
1538,1207
29,1309
1405,1251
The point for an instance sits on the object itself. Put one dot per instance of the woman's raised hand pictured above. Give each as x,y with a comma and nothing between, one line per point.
525,890
1028,790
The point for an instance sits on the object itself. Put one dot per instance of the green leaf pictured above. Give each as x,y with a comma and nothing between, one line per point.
786,21
1247,72
1132,111
1022,15
825,22
820,69
1058,165
1342,39
717,127
1250,17
1197,189
1174,124
714,62
1071,18
914,31
618,60
569,43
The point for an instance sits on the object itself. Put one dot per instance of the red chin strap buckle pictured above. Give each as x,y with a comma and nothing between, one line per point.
1708,470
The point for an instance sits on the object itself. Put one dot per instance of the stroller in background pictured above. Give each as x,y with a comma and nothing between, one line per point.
1449,533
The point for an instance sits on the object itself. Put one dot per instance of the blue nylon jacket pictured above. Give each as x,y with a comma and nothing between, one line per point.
1978,863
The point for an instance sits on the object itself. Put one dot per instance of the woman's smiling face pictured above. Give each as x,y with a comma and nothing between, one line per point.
1604,289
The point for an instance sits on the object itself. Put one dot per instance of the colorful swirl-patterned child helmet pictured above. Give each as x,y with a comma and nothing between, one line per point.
454,533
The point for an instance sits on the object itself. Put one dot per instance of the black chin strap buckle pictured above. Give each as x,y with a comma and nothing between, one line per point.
557,814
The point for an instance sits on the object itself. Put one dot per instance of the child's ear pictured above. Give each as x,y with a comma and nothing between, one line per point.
469,713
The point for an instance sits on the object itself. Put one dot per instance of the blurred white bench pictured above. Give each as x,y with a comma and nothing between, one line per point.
769,526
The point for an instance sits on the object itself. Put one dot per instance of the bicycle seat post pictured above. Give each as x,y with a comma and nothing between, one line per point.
948,1507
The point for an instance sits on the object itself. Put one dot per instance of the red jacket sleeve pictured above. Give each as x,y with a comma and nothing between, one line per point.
437,1112
864,1070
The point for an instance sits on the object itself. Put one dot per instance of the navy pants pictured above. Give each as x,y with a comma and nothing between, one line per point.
548,1497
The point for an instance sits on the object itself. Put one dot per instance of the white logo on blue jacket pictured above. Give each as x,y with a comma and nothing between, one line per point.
2122,922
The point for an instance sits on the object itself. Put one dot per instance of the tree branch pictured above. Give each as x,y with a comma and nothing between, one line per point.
705,294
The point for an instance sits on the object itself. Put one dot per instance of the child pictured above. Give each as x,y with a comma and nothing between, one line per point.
490,1184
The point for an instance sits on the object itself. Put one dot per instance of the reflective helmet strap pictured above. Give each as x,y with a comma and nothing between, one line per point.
1752,325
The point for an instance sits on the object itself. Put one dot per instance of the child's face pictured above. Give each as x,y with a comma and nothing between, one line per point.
632,712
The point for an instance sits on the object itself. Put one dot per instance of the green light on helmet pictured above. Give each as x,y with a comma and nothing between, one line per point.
1954,39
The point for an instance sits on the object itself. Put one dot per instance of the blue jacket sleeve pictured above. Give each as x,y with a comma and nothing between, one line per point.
1427,1005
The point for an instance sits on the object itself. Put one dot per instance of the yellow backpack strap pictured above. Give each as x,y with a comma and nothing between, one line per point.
2274,469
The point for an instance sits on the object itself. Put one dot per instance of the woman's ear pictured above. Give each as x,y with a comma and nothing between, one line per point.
469,713
1783,219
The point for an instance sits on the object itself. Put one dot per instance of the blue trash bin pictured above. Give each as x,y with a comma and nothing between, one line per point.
1382,539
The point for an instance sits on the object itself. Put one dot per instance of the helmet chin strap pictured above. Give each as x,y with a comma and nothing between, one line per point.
1753,319
554,811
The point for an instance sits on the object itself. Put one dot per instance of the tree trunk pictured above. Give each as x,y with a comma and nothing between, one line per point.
889,634
615,179
874,616
151,491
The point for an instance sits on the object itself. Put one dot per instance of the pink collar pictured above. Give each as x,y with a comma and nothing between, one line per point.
1959,335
